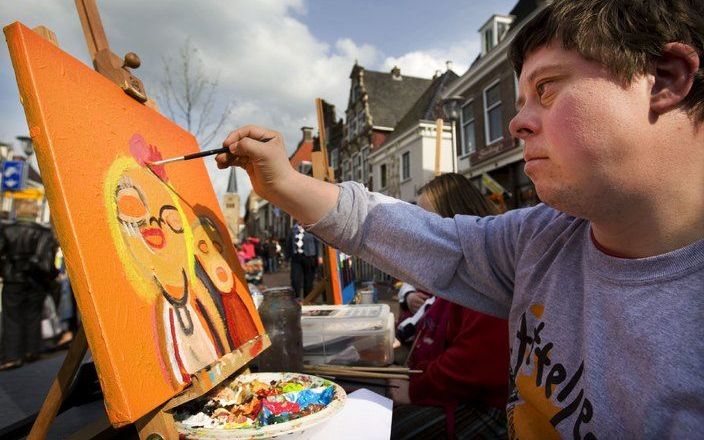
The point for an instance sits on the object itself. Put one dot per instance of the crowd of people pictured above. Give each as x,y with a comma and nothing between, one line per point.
300,250
35,287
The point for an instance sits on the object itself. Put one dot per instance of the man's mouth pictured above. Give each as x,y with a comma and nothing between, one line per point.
527,157
154,237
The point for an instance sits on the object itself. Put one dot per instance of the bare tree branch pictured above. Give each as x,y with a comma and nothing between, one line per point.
190,97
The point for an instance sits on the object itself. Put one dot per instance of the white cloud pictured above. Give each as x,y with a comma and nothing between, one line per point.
425,63
268,63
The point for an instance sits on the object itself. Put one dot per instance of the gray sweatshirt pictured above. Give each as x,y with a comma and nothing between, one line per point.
601,347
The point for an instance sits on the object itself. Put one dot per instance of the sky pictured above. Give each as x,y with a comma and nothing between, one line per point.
271,58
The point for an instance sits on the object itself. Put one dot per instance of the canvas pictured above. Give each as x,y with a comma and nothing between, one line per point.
154,271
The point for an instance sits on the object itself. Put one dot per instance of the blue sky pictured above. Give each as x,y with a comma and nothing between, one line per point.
272,57
398,27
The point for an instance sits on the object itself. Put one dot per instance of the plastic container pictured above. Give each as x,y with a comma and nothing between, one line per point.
281,316
365,295
348,335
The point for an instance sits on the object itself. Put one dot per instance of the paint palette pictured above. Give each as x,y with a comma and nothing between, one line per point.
221,416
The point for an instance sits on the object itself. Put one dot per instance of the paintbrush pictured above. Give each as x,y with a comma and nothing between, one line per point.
197,155
191,156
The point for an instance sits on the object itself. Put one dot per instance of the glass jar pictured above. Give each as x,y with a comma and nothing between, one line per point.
281,316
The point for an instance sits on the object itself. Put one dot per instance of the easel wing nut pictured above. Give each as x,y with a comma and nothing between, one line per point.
111,66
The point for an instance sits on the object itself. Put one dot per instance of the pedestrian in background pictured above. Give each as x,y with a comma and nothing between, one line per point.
272,255
66,307
27,251
301,250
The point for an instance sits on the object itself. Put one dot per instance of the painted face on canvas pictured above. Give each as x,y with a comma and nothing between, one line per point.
152,227
208,252
578,124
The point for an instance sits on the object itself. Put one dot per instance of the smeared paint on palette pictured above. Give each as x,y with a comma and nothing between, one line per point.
155,274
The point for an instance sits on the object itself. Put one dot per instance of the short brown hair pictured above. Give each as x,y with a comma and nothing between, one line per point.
626,36
452,194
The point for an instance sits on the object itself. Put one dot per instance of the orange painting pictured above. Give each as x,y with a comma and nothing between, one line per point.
154,271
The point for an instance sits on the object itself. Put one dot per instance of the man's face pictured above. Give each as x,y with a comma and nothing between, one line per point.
581,129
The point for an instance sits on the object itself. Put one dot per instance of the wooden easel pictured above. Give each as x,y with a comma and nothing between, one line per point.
158,424
323,171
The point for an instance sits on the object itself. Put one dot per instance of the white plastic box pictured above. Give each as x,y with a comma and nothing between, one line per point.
348,335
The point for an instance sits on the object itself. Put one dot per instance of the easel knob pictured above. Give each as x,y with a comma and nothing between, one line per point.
132,60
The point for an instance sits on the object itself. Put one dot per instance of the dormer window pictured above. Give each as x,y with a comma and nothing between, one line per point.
494,31
355,92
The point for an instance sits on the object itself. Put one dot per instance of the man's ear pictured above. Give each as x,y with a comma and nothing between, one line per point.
674,76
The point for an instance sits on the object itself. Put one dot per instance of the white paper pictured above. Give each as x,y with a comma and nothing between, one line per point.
366,415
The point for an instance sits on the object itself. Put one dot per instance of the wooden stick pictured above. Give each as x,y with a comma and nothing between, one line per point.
322,138
318,288
438,144
60,386
92,26
351,373
375,369
378,369
361,382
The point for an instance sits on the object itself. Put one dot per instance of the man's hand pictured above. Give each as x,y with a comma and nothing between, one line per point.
399,391
262,154
415,300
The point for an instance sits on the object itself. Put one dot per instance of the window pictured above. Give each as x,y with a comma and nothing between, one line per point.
357,167
406,166
366,168
346,172
468,139
488,39
382,175
354,94
351,127
334,158
361,121
502,30
492,114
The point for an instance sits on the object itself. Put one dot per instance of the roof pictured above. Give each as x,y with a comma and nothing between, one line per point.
425,106
302,153
389,99
523,9
232,183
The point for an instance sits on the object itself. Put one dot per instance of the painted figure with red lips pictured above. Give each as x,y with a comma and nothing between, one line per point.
154,235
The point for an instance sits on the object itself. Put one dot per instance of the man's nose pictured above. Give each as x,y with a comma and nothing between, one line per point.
523,125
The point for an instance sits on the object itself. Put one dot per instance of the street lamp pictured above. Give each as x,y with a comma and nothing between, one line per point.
451,109
27,145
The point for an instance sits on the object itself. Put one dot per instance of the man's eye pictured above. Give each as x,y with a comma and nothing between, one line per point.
540,88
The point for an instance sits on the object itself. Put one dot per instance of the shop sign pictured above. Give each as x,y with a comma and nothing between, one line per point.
490,151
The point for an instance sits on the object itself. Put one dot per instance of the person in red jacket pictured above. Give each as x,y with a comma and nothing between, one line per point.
464,355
